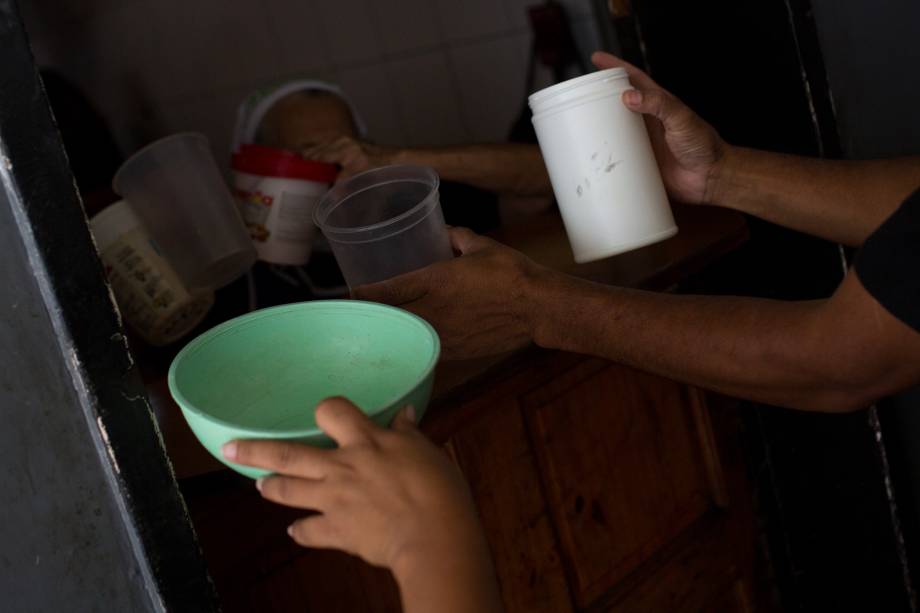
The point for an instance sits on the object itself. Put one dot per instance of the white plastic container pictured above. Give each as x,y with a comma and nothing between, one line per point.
277,191
601,165
148,291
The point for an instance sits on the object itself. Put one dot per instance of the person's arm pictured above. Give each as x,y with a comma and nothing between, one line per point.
508,168
837,354
389,496
827,355
843,201
513,169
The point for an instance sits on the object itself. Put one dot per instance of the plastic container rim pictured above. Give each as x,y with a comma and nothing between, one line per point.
209,336
562,107
278,163
196,135
349,239
329,197
547,93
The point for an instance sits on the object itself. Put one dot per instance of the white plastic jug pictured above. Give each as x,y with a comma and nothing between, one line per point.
601,165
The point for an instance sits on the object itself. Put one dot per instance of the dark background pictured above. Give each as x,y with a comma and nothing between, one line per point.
836,79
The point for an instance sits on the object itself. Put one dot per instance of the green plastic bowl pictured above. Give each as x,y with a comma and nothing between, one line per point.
260,376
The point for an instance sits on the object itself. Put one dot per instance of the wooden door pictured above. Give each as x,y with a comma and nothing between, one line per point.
628,465
496,458
90,518
604,488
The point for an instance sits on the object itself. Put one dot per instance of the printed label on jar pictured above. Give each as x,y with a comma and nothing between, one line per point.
295,217
149,293
256,208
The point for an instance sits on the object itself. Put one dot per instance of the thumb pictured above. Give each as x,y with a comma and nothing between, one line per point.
343,421
405,420
657,103
396,291
464,240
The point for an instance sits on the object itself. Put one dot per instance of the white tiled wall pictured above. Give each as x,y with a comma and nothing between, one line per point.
420,71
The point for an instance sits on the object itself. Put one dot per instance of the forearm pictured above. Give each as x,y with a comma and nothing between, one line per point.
842,201
460,580
756,349
503,168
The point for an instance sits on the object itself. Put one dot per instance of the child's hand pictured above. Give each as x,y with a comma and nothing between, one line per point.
388,496
384,495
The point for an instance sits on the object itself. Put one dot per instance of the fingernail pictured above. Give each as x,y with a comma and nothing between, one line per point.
634,97
410,413
259,482
229,450
290,530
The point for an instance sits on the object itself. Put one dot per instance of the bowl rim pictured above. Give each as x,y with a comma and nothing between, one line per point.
220,329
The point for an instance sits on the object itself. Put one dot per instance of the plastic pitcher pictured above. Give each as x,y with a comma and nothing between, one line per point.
176,189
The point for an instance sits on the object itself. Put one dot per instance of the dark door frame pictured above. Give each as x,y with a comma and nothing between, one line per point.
62,318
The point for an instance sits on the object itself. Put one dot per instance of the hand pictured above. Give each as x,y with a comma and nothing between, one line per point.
689,151
353,156
476,302
389,496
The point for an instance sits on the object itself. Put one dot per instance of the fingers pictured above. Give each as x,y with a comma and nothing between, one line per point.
405,420
604,60
293,491
464,240
343,421
396,291
322,154
659,104
281,457
346,172
315,532
337,151
637,77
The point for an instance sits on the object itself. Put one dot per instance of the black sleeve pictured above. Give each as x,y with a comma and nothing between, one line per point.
889,263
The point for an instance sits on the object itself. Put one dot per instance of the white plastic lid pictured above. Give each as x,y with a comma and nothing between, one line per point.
592,83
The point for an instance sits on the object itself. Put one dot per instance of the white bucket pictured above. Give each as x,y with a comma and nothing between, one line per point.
148,291
601,165
277,191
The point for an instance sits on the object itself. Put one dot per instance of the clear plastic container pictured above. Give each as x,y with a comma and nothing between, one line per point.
149,294
384,222
601,165
176,189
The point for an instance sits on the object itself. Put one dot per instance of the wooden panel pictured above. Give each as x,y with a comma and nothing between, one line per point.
587,427
496,459
733,600
698,571
623,468
705,233
322,581
257,568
